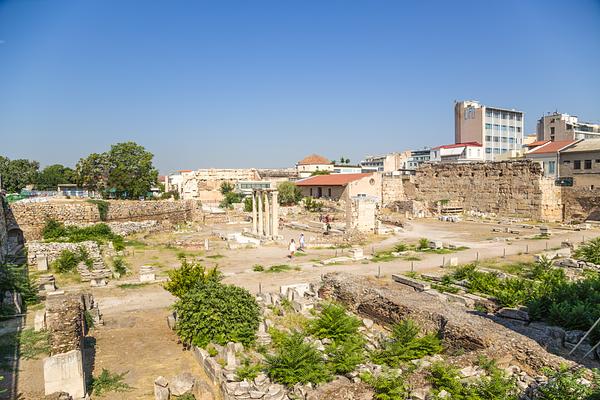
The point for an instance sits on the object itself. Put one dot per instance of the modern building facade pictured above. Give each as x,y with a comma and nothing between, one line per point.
557,126
418,157
580,163
385,163
498,130
459,152
341,186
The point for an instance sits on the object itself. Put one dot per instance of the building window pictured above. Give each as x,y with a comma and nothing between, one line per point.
588,164
496,139
497,127
488,138
328,192
496,114
488,126
552,130
311,192
488,113
504,139
496,151
504,116
577,164
518,129
551,167
519,117
488,150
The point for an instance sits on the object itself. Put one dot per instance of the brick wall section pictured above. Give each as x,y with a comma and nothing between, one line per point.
31,216
507,188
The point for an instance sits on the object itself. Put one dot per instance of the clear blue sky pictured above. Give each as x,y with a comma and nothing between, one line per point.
261,83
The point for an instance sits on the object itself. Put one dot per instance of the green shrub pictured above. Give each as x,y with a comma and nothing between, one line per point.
217,313
405,345
33,344
258,268
183,279
14,277
212,351
334,323
102,208
494,386
289,193
423,244
344,356
66,262
589,251
387,386
313,205
296,362
119,266
566,384
109,382
401,247
100,233
88,319
248,370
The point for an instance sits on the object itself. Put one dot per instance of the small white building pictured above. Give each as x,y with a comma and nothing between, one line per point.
313,163
459,152
548,155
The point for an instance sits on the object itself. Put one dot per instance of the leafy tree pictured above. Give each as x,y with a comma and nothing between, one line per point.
296,362
344,356
92,172
53,175
230,198
226,187
131,172
183,279
16,174
212,312
289,194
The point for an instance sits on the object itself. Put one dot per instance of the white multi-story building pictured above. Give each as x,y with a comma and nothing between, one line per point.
498,130
385,163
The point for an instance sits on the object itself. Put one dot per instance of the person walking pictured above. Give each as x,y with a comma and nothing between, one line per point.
292,248
301,242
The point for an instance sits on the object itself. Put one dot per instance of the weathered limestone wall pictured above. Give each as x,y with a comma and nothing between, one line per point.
507,188
3,230
581,204
205,184
31,216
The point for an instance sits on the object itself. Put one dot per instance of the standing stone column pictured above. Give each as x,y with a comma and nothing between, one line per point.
254,214
267,215
260,213
275,213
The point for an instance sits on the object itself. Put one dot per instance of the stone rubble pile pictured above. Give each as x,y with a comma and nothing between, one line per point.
573,263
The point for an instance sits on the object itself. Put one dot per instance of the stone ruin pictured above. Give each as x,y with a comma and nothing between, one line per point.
265,214
64,320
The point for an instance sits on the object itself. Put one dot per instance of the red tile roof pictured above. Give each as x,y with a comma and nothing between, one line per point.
331,180
537,143
453,146
552,147
314,159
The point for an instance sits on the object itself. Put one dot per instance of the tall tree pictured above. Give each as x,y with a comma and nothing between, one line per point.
92,172
53,175
16,174
131,172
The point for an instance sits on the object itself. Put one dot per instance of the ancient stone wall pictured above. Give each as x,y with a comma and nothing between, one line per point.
581,204
392,189
507,188
3,230
31,216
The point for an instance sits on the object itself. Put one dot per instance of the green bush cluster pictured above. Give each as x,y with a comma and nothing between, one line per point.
566,383
548,295
406,344
109,382
590,251
55,231
312,205
14,278
388,385
119,266
68,260
209,311
296,361
495,385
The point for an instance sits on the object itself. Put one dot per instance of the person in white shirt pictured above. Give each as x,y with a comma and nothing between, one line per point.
301,241
292,248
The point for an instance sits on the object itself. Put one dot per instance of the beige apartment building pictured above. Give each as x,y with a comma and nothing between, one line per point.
557,126
581,163
498,130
